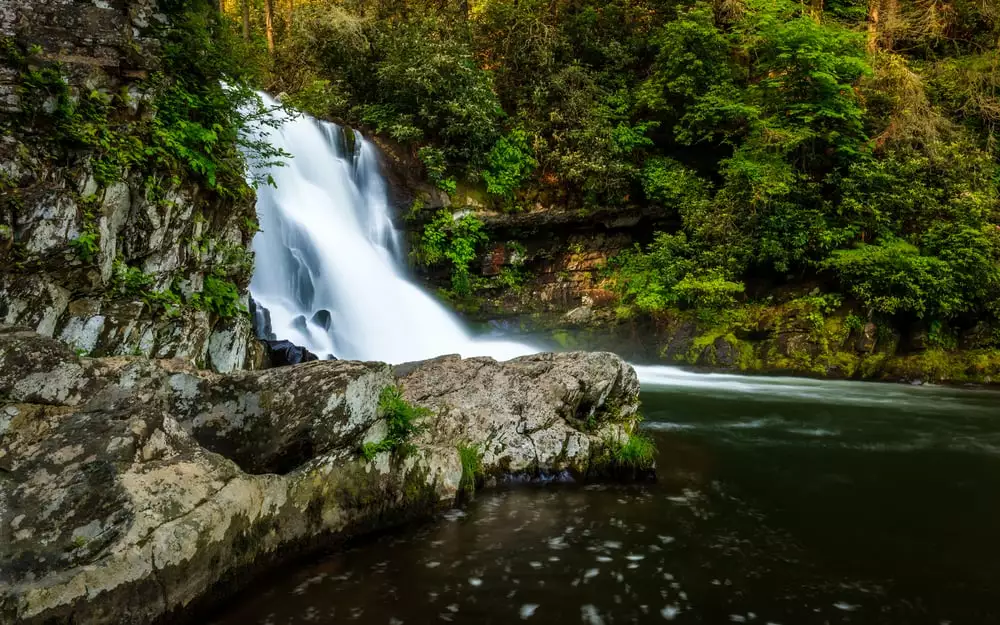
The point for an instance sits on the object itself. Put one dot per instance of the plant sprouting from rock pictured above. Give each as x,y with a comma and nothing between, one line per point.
403,422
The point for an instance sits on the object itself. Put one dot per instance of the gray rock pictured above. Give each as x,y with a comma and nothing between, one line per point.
63,285
541,413
130,488
579,316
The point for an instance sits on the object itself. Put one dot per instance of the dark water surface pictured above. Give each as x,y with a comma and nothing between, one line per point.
779,501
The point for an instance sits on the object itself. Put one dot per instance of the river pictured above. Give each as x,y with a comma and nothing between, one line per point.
778,501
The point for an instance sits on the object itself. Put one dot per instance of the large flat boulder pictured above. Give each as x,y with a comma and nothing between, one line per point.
535,414
133,489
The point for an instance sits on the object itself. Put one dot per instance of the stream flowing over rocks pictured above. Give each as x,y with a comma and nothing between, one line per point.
131,489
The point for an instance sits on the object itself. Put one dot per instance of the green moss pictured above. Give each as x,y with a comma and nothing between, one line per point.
940,365
804,337
418,490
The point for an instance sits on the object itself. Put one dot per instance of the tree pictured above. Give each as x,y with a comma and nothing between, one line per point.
882,15
245,8
816,9
269,24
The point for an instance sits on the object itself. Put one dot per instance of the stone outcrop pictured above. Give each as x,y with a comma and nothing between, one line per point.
543,261
537,413
69,244
131,488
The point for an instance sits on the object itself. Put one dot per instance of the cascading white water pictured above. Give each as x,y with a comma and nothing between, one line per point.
329,271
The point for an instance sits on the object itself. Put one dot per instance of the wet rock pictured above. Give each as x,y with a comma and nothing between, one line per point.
867,338
721,353
679,340
797,345
285,353
579,316
300,324
323,319
261,321
130,488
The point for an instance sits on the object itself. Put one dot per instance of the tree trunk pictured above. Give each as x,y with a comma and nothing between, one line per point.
269,24
816,10
245,7
874,15
882,22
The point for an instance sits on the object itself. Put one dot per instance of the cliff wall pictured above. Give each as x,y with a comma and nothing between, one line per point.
112,263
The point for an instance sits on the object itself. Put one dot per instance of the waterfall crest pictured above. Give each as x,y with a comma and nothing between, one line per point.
329,267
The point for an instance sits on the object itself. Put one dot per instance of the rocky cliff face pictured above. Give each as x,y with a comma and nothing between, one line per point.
130,488
83,258
543,260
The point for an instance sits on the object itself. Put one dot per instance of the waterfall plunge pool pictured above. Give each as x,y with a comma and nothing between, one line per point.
780,501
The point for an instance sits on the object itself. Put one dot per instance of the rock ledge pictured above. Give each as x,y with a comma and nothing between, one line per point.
131,488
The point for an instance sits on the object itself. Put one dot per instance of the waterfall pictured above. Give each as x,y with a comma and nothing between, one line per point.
330,274
329,269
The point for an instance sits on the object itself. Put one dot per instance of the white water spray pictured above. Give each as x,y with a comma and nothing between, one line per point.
329,271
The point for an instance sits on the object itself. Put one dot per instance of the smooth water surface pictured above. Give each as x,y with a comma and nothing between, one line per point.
779,501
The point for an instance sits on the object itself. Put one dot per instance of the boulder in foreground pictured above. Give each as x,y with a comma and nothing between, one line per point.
130,489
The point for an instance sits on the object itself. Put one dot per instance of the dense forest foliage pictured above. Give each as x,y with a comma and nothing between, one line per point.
850,145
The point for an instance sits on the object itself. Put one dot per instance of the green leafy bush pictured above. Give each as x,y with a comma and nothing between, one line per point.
87,246
895,278
220,297
509,164
708,291
454,242
437,168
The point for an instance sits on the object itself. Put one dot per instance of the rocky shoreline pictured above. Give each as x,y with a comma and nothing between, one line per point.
131,489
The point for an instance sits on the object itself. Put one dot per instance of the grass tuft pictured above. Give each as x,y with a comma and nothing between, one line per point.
472,467
636,453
